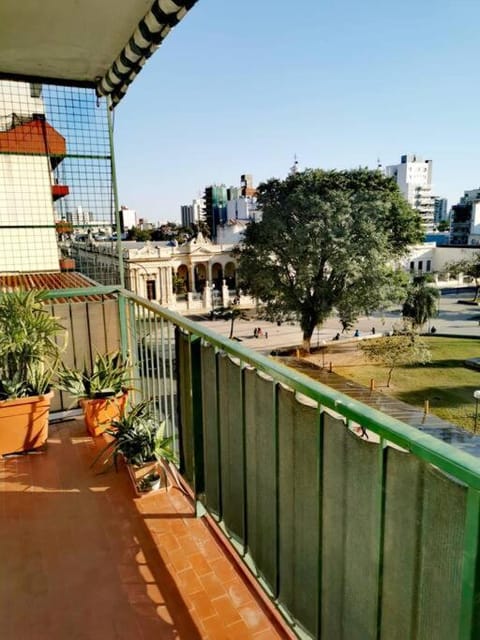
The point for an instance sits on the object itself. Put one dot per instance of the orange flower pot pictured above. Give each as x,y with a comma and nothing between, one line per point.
99,413
24,423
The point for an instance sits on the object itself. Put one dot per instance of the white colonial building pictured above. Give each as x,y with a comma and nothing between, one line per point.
195,275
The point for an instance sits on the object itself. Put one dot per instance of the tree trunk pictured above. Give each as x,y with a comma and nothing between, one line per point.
390,372
306,342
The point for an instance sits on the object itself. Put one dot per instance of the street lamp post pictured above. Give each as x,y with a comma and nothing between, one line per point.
213,301
476,395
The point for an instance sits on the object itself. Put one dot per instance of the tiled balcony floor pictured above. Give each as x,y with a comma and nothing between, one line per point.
81,559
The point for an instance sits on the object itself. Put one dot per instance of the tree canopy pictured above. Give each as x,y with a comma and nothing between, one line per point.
327,239
397,350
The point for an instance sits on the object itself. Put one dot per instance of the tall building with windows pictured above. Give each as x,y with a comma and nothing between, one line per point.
441,210
215,207
465,219
414,179
193,213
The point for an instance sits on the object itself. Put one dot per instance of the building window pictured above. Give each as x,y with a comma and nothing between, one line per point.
429,265
151,290
420,265
412,266
35,90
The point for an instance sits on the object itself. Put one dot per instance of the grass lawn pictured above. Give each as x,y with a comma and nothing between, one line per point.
445,381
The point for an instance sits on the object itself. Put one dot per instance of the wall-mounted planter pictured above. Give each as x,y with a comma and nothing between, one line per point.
24,423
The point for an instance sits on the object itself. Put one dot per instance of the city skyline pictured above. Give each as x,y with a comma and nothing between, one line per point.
242,88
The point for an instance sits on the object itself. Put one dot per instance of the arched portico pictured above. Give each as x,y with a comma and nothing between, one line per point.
230,276
217,275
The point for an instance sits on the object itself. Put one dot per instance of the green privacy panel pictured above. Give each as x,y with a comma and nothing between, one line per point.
298,437
443,524
232,470
185,404
260,441
402,529
352,476
210,429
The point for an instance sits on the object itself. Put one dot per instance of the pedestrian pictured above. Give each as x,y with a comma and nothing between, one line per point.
266,335
259,331
255,332
373,331
356,334
337,337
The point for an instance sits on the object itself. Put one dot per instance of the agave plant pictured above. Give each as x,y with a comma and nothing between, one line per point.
138,437
29,350
109,377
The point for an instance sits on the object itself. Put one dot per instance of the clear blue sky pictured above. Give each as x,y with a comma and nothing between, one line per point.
241,85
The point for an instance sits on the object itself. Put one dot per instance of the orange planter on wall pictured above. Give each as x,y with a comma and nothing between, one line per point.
100,412
24,423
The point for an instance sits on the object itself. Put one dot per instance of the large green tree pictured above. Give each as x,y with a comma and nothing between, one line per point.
326,239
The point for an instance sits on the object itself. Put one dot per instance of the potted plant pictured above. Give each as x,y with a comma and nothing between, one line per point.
101,392
140,440
29,356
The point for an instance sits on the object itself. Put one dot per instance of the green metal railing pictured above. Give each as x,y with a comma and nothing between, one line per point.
351,538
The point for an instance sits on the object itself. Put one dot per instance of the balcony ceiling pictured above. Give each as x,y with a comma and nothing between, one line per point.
96,43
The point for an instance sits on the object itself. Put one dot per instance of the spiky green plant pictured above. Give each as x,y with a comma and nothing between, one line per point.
138,437
29,344
109,376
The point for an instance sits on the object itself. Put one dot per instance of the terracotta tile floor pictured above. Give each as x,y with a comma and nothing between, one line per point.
81,559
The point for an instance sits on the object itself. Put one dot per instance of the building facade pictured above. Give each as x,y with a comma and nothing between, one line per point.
465,219
181,277
440,210
30,152
414,179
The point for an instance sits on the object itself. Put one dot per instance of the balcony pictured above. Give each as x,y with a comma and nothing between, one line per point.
347,537
59,191
285,521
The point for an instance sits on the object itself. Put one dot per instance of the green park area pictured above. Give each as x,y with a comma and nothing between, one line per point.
445,381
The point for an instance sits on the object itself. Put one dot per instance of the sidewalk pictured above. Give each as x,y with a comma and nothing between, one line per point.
454,319
428,423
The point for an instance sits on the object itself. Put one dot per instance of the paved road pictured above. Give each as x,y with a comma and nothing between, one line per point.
453,319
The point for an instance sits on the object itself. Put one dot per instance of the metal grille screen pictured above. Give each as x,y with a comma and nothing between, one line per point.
56,194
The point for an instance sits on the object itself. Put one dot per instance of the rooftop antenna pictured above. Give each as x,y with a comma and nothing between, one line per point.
294,167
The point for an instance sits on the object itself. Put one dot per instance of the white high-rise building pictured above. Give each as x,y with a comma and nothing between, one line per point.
193,213
414,178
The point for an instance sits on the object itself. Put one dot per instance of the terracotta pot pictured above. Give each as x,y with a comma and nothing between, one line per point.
24,423
99,413
67,264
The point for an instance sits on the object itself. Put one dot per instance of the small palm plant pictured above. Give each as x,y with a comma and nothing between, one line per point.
29,350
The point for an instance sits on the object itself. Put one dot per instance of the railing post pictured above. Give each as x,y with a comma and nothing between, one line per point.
122,310
115,193
189,380
197,418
